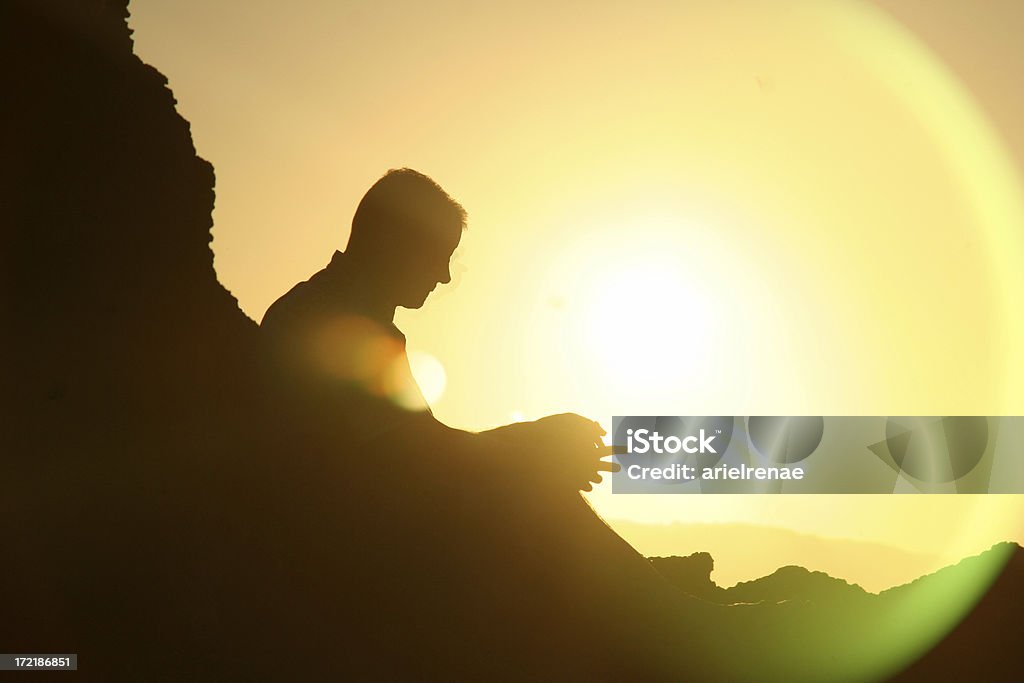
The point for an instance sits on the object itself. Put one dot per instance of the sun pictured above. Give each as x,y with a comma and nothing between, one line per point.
648,327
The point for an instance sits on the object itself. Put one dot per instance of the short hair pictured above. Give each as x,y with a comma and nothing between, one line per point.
402,200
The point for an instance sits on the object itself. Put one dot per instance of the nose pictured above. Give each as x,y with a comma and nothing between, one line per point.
446,276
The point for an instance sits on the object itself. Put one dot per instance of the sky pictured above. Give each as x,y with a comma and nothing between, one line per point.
676,208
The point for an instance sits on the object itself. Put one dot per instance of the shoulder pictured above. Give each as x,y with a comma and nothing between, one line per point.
303,301
287,313
285,306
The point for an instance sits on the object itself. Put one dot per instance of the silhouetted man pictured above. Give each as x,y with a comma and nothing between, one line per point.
334,339
476,539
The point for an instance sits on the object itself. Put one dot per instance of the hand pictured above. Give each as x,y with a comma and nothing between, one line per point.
567,446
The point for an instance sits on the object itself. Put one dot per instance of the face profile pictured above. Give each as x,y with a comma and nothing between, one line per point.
404,233
422,263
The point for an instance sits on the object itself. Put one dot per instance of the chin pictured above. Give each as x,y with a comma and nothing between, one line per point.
415,302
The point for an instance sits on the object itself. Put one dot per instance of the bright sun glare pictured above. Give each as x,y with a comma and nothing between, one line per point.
647,327
429,374
650,310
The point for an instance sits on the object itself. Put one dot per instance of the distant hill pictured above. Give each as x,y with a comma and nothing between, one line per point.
793,583
744,552
692,575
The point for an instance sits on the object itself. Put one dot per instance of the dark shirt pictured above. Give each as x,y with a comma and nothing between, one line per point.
338,359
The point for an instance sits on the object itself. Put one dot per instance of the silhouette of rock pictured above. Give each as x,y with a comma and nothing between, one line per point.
793,583
985,646
165,516
744,552
806,622
130,447
691,575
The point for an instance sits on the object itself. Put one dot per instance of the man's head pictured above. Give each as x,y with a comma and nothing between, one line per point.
406,227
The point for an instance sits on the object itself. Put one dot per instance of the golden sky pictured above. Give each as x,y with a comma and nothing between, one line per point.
691,208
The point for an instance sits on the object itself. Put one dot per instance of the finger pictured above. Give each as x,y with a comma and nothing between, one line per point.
603,466
584,423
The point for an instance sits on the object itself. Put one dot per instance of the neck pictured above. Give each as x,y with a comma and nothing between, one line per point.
375,297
